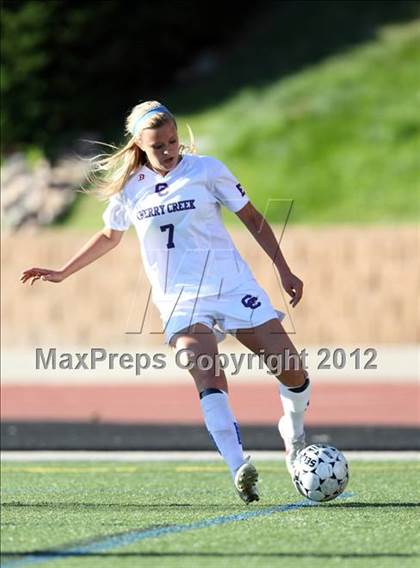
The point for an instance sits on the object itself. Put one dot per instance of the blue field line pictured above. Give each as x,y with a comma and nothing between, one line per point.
109,543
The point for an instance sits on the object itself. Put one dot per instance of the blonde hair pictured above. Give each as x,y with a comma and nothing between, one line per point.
110,172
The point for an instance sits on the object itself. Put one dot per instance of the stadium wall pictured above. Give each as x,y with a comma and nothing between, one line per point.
361,287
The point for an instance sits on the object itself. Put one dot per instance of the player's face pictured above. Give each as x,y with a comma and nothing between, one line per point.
161,146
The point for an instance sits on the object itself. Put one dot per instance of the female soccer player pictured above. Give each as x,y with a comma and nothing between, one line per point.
199,280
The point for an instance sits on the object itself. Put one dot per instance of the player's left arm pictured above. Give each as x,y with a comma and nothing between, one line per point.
263,234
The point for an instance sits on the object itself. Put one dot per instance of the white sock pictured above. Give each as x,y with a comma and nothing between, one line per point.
294,406
222,427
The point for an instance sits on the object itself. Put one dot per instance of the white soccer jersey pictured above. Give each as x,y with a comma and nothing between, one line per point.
186,249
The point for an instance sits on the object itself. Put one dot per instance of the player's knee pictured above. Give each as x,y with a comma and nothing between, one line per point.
185,358
193,360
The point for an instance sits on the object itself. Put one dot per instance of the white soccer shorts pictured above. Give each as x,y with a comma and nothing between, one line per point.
245,307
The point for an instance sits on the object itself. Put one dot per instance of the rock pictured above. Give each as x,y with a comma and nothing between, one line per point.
41,193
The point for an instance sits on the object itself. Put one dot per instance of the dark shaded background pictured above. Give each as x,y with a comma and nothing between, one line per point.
70,67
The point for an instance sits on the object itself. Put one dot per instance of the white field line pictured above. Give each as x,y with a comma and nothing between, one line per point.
138,456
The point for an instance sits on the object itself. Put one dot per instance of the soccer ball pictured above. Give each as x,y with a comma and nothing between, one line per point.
321,472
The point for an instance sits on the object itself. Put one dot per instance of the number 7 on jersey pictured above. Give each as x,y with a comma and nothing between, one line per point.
170,244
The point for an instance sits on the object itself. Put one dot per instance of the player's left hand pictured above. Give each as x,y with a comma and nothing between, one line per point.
293,286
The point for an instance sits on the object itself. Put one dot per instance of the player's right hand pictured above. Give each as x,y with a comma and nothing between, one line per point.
46,274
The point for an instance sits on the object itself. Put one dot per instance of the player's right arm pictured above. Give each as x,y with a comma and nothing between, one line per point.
101,243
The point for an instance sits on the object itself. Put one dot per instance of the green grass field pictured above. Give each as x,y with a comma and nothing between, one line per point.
340,137
178,514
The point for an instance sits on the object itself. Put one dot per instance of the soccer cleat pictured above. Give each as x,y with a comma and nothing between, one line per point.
246,478
292,447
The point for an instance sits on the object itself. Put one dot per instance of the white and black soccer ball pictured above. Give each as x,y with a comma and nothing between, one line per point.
321,472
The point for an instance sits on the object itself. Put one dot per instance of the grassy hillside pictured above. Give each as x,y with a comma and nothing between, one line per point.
341,137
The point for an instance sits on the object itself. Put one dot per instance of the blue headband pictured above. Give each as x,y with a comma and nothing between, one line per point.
146,116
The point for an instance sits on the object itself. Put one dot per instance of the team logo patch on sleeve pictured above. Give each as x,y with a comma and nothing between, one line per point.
251,302
240,189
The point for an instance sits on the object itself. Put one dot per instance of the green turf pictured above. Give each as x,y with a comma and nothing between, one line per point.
341,138
55,506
